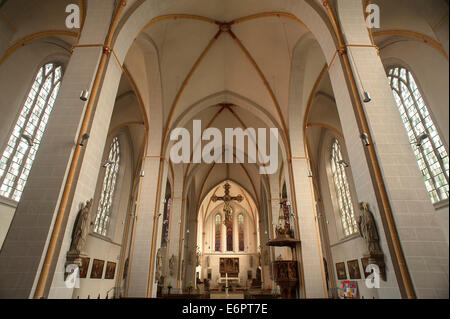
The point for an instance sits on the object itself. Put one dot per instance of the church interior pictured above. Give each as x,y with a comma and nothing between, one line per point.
92,206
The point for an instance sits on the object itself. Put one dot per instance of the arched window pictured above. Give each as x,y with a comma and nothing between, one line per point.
109,185
166,221
344,197
218,234
241,232
428,148
23,144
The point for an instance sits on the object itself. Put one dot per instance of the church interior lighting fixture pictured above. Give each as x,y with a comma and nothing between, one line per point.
421,139
84,139
28,139
84,95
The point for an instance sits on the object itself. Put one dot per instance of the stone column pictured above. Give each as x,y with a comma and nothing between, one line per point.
141,251
315,285
173,244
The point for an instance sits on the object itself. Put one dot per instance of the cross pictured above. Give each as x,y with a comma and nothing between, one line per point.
227,198
226,283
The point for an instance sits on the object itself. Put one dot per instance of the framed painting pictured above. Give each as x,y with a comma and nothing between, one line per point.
364,264
97,269
340,271
353,269
110,270
85,261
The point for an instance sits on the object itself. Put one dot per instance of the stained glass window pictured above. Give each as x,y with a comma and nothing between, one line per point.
241,232
230,237
218,234
344,197
103,217
166,220
430,152
23,144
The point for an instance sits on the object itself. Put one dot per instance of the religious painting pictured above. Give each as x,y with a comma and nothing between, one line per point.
353,269
97,269
110,270
229,266
340,271
84,266
365,263
349,290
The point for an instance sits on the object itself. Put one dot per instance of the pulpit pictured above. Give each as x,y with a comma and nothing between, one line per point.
285,271
286,276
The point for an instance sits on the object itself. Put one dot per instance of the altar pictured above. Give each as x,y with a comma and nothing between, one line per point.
229,281
229,267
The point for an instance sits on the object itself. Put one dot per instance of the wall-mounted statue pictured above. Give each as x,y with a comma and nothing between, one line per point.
159,266
172,265
368,230
81,229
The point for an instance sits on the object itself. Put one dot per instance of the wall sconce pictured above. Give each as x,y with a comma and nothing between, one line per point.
84,138
105,165
142,173
365,139
366,97
421,139
84,95
28,139
310,173
343,163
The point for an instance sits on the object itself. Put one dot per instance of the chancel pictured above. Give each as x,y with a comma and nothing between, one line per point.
344,196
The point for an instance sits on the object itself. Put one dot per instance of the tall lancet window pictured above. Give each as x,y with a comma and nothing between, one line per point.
426,143
166,221
23,144
241,232
343,195
229,227
218,233
103,218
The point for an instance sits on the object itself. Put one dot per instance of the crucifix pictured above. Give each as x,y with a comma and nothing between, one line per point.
227,198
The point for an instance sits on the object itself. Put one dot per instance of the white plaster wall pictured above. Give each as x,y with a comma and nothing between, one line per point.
7,210
442,214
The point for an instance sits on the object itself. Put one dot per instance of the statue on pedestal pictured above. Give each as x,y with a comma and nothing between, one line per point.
159,266
368,230
81,229
172,262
